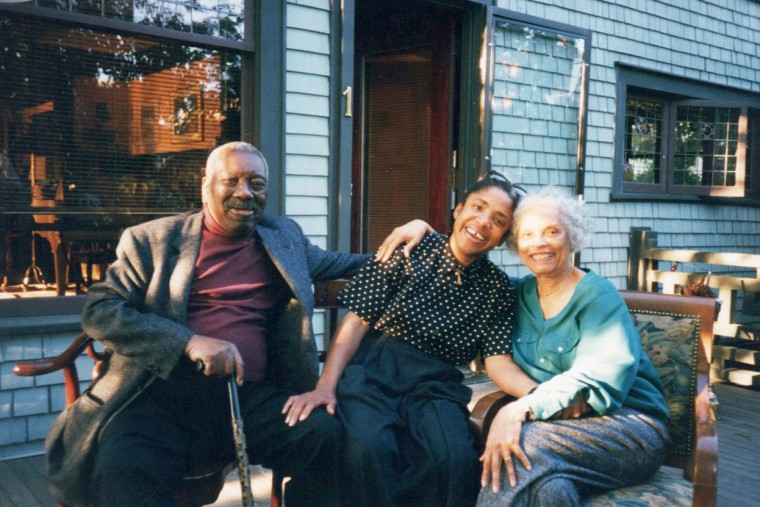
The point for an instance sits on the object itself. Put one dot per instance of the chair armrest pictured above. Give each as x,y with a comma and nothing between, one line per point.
65,361
705,466
484,411
52,364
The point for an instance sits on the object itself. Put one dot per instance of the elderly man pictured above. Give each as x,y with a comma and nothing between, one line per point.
228,287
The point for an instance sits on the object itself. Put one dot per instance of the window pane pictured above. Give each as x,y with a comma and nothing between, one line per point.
643,141
706,144
221,18
535,103
104,130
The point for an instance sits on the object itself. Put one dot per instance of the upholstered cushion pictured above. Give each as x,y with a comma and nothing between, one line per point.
667,488
671,342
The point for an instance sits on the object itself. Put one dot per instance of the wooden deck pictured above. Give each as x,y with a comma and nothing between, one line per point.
22,483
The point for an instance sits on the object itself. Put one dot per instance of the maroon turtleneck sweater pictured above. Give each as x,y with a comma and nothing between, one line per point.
234,294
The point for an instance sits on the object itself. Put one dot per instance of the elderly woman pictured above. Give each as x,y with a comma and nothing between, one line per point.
591,414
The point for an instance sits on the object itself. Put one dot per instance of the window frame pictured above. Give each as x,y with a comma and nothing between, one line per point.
115,24
495,15
636,82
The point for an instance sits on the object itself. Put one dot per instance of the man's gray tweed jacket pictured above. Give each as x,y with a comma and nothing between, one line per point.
139,312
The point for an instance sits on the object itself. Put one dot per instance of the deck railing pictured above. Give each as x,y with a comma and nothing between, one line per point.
733,277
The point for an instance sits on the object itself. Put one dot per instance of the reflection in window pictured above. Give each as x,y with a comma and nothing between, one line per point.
706,142
218,18
643,141
99,131
535,102
187,114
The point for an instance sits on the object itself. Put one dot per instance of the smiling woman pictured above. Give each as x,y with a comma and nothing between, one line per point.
590,381
549,228
419,317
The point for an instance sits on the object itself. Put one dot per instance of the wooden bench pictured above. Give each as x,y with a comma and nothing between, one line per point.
200,486
677,333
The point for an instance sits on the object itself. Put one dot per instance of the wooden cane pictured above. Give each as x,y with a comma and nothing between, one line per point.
239,436
240,448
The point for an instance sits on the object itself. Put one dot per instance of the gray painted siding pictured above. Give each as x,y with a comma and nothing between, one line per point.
307,134
714,41
29,405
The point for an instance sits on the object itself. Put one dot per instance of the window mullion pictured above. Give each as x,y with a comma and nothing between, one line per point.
669,148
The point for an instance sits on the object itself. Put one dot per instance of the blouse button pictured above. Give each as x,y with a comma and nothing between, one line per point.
541,360
560,348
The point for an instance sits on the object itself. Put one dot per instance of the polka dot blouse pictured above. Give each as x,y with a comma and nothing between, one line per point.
435,304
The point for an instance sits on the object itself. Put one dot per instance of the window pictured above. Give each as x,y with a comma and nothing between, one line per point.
122,123
682,145
217,18
100,130
537,102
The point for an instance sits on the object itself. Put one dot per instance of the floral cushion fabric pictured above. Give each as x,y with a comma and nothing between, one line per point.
667,488
671,342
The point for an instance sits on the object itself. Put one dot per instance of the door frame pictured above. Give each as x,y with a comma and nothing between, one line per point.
463,165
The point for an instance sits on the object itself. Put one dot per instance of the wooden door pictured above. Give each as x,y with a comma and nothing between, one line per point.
404,138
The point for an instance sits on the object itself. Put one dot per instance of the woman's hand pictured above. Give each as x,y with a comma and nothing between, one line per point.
347,338
298,408
411,232
503,443
576,410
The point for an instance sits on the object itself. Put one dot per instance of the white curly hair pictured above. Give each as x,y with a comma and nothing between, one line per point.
572,213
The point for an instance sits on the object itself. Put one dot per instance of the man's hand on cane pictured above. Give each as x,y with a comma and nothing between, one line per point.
219,358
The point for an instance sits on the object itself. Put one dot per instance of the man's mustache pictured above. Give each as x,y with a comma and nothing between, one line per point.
246,204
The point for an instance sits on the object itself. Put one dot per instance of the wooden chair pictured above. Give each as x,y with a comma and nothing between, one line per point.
200,486
677,333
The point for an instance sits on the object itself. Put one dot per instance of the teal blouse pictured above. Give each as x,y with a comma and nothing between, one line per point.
592,346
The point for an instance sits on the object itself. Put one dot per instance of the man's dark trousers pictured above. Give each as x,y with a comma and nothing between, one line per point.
175,424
